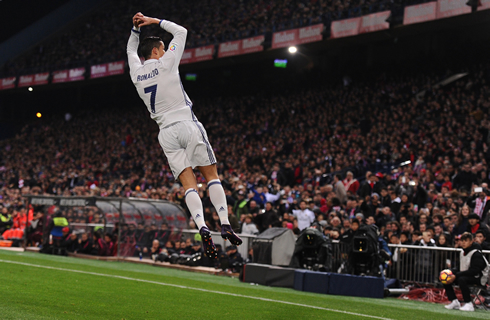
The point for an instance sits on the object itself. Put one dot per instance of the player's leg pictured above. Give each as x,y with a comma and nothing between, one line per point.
193,201
451,297
218,199
181,169
192,198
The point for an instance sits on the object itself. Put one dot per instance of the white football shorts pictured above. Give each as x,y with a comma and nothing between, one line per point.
186,144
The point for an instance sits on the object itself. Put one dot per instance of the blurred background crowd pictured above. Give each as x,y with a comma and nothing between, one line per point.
371,151
102,36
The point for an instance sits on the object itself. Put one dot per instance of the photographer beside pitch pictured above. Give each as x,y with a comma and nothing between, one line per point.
182,137
471,266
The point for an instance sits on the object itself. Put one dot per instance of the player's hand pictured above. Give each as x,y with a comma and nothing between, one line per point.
451,279
146,21
137,19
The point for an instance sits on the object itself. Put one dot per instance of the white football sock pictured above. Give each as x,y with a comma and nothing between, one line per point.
194,204
218,198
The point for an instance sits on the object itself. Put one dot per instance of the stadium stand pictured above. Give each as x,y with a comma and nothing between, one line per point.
417,142
101,36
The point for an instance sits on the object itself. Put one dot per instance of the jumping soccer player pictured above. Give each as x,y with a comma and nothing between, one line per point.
182,137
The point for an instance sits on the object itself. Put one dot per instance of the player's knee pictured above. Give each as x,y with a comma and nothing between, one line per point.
461,281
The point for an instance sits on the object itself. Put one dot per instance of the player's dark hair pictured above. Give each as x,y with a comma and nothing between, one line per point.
147,45
466,236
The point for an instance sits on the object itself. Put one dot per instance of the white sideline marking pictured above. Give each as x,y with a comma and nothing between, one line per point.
191,288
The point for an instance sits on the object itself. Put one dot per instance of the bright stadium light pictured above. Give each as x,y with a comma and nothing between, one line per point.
30,89
292,49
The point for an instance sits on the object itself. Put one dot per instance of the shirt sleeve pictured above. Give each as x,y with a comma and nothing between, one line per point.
272,197
177,45
132,50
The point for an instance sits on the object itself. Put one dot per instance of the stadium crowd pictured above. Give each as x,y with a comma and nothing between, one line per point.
101,37
414,166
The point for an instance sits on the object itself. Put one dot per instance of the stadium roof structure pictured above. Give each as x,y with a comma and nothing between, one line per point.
120,210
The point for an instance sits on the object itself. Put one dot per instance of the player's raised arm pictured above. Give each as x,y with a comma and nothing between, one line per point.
133,42
177,45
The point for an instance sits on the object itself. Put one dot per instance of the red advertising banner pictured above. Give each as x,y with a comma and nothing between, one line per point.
197,54
68,75
375,22
485,4
106,69
297,36
33,79
228,49
7,83
420,13
254,44
310,34
284,38
203,53
345,28
187,56
450,8
244,46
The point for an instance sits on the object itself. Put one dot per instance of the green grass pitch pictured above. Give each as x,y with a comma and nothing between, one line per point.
37,286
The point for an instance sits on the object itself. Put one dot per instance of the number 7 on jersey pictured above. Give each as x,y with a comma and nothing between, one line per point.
153,91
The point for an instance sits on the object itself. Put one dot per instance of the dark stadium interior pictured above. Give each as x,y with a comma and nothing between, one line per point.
369,106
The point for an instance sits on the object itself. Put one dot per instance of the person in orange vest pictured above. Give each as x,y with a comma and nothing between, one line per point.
20,218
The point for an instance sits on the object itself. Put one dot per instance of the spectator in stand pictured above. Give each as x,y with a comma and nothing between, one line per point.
383,217
444,240
99,245
240,208
416,238
155,249
259,196
35,232
110,250
267,219
339,188
479,202
474,224
305,216
371,205
253,208
481,239
350,183
170,247
465,178
248,227
234,223
367,188
395,201
71,243
235,260
196,247
163,233
84,244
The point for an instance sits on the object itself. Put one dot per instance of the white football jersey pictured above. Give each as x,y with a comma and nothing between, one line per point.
158,82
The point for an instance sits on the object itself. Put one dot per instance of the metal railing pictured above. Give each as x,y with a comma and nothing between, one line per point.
422,264
408,263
